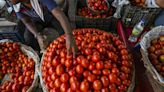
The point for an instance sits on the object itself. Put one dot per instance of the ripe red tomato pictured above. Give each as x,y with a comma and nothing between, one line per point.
86,73
115,71
64,87
59,69
57,83
84,86
91,66
64,77
96,57
91,77
97,85
112,78
99,65
55,61
79,69
105,81
85,63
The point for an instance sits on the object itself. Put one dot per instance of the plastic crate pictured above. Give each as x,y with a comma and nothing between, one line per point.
12,34
131,15
106,24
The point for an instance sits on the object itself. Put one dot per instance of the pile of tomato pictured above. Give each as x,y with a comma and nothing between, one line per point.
156,54
98,5
102,64
17,66
86,12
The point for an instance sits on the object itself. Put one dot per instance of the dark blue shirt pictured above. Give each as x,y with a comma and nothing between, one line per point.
45,4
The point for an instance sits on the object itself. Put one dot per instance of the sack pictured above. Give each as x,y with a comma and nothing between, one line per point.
30,53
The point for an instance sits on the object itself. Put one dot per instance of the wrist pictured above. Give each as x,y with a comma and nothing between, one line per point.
36,35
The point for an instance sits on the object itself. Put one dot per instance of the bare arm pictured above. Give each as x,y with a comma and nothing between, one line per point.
70,41
160,3
30,25
60,16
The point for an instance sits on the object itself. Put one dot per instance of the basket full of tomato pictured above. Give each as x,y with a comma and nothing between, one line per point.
82,14
98,6
152,49
102,64
18,67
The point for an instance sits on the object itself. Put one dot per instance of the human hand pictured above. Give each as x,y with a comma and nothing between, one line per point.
41,42
71,45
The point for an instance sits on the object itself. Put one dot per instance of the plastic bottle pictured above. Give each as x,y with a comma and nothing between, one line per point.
137,30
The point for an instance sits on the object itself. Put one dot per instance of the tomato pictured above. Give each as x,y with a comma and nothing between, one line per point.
112,78
96,57
79,69
59,69
105,90
105,81
50,71
91,77
113,88
72,73
64,77
125,69
91,66
97,85
123,76
80,58
115,71
68,63
122,88
106,72
64,87
72,79
55,61
75,85
84,86
85,63
88,51
57,83
86,73
96,72
24,89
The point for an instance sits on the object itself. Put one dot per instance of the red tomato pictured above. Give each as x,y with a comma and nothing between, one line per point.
99,65
84,86
64,87
105,81
79,69
96,57
64,77
112,78
59,69
97,85
91,77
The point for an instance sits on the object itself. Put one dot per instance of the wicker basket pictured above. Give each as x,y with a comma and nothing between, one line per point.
131,15
107,24
31,54
156,80
157,87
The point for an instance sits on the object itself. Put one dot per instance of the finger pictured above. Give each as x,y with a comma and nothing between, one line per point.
68,50
75,50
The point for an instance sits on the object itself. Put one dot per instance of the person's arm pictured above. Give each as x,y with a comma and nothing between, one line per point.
60,16
160,3
31,27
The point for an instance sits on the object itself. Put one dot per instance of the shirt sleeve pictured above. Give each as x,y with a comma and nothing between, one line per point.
50,4
20,15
